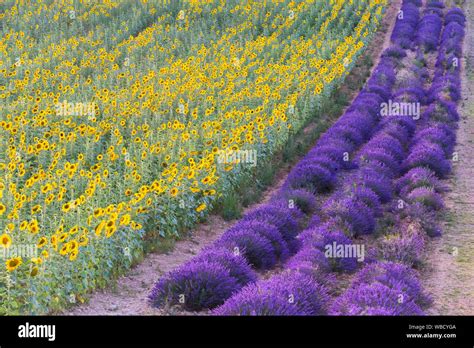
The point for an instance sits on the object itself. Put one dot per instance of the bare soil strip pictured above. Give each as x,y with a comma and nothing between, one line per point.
450,259
128,295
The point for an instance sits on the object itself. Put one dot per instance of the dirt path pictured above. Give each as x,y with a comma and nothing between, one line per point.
450,264
128,295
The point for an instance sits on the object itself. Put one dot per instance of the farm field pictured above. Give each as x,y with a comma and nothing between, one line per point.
282,158
110,140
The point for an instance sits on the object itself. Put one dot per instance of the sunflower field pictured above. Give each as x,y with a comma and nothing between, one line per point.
114,116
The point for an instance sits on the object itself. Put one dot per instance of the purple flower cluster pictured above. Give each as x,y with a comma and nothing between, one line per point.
289,293
396,276
196,285
351,214
429,30
406,247
259,240
390,287
374,299
416,178
304,200
407,21
326,239
440,134
311,261
429,155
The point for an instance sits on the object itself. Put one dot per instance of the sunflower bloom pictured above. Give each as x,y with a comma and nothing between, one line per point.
201,207
5,241
13,263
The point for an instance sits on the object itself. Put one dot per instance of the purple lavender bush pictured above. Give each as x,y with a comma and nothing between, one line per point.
418,177
426,196
396,276
311,177
439,134
310,260
373,299
371,179
257,250
195,286
429,30
289,293
302,199
428,155
329,241
237,266
405,28
406,247
265,230
282,218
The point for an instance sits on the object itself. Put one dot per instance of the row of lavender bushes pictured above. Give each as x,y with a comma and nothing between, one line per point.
306,285
302,288
392,287
381,287
268,235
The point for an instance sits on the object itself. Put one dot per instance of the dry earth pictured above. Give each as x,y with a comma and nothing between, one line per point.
449,275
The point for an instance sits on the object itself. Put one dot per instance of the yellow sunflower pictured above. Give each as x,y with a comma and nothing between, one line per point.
13,263
5,241
42,242
201,207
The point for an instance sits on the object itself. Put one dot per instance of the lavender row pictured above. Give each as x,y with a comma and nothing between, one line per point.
267,234
432,149
302,289
393,288
378,287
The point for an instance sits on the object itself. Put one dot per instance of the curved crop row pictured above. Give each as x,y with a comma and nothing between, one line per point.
391,287
381,287
267,234
349,211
